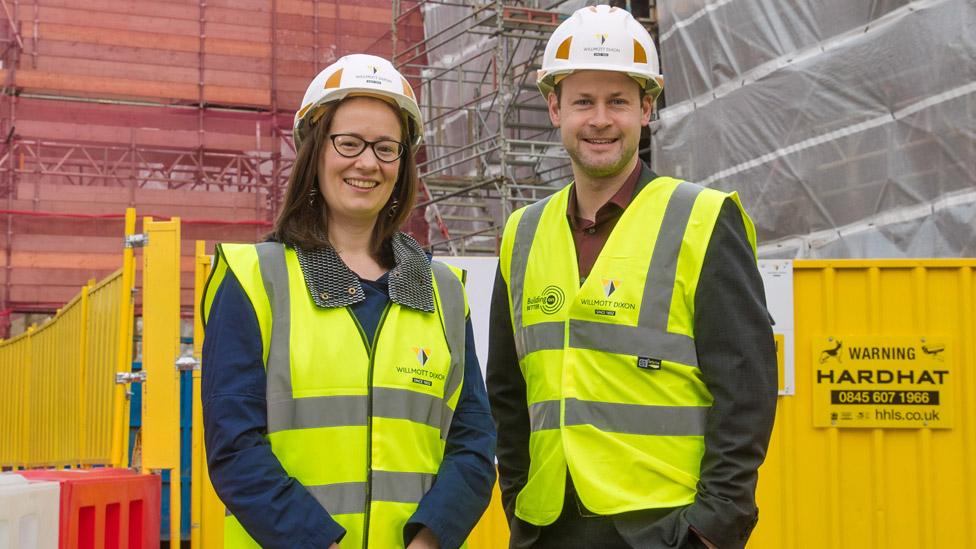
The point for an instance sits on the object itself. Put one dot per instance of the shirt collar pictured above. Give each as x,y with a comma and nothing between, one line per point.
619,201
332,284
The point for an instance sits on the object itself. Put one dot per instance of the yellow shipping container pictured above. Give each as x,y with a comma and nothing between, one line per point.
878,487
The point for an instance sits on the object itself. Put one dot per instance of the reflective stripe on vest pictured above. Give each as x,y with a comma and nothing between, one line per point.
620,418
294,414
350,497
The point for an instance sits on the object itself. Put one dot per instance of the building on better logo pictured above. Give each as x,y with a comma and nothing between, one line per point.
552,299
610,285
549,301
602,37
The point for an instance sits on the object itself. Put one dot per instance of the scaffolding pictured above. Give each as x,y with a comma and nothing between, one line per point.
184,109
490,147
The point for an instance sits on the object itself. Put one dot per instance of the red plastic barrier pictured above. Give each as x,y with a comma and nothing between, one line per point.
106,508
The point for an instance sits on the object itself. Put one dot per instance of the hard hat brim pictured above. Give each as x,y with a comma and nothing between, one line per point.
653,83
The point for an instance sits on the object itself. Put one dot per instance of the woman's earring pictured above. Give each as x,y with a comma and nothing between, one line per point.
393,207
311,197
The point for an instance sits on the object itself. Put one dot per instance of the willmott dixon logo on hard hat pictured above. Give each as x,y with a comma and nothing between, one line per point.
610,285
422,354
373,76
602,50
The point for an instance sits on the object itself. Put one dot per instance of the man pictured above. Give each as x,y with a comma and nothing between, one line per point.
631,371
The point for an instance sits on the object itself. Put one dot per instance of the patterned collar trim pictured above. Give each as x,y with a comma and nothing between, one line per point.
332,284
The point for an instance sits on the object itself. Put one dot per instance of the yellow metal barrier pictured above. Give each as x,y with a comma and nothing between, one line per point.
126,310
53,379
14,411
106,327
57,381
160,350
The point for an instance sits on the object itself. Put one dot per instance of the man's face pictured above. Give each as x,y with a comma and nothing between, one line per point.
600,115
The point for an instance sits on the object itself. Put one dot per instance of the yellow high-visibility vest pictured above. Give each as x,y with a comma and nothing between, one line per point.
614,391
387,403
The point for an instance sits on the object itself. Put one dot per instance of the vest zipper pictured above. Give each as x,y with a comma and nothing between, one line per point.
371,346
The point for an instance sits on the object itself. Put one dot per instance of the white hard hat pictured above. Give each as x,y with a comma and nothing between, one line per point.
359,74
604,39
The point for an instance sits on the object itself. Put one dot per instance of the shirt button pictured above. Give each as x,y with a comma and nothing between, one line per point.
324,295
352,290
395,274
591,230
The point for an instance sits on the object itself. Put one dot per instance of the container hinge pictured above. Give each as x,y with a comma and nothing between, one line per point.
187,363
135,241
123,378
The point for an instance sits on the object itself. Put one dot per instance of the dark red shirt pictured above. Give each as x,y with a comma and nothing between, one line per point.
591,236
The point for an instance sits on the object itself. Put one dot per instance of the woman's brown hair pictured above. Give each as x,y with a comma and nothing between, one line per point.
303,223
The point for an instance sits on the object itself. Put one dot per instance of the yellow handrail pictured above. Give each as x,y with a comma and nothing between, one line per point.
57,380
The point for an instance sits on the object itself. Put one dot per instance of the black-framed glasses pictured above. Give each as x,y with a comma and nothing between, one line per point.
351,146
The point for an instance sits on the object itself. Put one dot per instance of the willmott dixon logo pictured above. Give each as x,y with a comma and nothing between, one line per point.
373,76
422,374
603,49
608,306
422,354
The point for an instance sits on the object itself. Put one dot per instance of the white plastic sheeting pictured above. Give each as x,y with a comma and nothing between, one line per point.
847,126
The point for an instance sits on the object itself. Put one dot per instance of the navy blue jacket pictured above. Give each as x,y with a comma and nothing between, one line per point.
274,508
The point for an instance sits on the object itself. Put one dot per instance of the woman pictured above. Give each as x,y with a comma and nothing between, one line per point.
343,402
